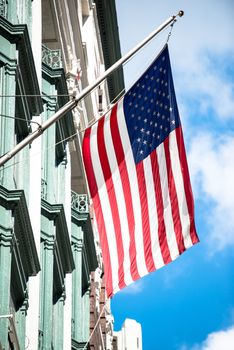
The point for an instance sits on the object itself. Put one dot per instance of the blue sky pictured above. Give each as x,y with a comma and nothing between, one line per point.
189,304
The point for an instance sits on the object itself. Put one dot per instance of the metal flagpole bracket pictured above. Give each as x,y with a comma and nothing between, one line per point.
73,103
180,14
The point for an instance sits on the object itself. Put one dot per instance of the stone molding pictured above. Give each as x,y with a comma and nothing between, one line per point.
15,201
55,213
18,34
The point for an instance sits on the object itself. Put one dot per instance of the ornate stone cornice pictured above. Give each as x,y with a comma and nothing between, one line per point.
77,243
55,212
18,34
9,63
15,200
79,345
59,243
6,236
78,218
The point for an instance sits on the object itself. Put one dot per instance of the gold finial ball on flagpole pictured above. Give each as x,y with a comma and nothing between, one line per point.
181,13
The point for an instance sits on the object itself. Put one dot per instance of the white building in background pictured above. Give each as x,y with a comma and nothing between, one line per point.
130,336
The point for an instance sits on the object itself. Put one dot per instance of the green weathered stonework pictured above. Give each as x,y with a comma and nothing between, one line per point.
84,254
18,260
56,254
77,247
57,261
5,270
46,289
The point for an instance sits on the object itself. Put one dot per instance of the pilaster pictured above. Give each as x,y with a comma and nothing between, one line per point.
46,305
61,171
86,314
5,272
58,323
77,326
57,260
49,140
17,11
7,108
20,321
83,248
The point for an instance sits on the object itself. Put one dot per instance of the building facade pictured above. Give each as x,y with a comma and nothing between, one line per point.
129,337
51,274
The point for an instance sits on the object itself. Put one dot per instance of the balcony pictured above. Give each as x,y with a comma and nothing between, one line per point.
79,202
43,189
51,58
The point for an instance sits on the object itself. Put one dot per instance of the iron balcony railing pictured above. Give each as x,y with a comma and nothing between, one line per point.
3,8
79,202
52,58
43,189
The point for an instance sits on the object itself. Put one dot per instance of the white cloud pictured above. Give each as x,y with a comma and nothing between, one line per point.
202,34
211,163
196,45
205,25
208,88
221,340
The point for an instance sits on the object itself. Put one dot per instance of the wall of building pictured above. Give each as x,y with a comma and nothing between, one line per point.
51,274
130,336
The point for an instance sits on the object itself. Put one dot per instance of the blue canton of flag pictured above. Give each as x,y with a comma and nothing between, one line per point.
150,108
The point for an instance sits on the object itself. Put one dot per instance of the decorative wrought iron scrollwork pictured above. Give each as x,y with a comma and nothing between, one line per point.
3,8
51,58
79,202
43,189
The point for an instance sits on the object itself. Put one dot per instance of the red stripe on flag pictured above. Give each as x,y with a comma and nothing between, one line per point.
159,203
98,211
112,199
145,217
187,183
174,199
120,156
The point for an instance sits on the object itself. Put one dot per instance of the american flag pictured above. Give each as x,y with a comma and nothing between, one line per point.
138,178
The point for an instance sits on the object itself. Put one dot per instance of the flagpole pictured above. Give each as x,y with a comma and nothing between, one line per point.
73,103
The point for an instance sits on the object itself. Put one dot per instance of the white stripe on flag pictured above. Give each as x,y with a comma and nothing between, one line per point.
183,209
170,233
156,250
131,167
